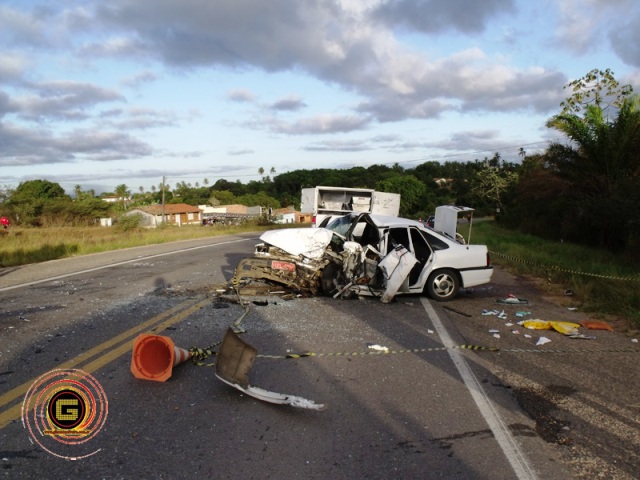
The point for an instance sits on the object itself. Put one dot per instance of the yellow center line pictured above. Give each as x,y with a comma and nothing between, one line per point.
156,324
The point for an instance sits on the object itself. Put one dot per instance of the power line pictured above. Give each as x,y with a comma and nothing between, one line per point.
426,159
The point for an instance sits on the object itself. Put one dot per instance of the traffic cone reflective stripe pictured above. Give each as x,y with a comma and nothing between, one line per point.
154,357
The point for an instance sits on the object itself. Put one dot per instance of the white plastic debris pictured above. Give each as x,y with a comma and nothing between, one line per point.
379,348
634,340
542,341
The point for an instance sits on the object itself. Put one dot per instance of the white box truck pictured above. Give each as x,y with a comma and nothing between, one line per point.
324,201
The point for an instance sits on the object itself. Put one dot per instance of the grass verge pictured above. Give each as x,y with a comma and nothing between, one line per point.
22,246
602,283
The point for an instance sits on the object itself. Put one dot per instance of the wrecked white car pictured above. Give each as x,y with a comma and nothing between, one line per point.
368,254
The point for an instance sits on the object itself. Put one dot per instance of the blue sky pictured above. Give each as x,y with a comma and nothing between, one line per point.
98,94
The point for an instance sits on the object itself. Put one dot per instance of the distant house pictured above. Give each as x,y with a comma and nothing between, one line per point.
115,199
174,214
235,208
234,212
290,215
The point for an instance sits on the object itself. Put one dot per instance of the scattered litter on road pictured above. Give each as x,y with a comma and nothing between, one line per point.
379,348
512,300
490,312
236,358
634,340
581,336
595,325
542,341
566,328
522,314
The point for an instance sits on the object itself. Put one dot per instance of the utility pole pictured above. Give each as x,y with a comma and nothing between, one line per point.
163,188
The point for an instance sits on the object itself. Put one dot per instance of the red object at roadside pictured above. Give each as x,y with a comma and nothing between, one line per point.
4,221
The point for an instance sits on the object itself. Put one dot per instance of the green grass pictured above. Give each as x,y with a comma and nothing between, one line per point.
603,283
22,246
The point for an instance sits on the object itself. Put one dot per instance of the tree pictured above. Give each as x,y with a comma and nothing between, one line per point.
411,191
601,162
598,88
224,197
38,190
522,153
123,194
27,201
491,184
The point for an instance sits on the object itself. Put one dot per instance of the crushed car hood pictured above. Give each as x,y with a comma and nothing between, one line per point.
308,242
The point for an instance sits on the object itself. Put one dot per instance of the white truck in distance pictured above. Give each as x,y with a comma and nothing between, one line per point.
322,202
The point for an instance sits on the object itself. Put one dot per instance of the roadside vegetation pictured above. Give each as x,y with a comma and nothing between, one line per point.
25,245
601,282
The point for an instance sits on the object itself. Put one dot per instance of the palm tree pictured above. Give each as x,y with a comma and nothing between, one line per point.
123,193
601,163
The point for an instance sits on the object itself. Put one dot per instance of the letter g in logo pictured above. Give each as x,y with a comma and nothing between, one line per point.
66,409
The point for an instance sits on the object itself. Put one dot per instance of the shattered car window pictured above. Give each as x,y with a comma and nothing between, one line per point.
340,225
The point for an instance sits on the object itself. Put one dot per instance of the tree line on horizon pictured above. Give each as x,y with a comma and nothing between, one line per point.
585,191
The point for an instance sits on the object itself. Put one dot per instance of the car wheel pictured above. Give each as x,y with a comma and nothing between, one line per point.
443,285
332,279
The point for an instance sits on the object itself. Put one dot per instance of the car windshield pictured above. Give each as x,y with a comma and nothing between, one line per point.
340,225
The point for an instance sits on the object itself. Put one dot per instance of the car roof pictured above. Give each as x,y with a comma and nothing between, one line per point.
390,221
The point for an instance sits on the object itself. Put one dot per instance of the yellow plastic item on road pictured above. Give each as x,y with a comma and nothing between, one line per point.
566,328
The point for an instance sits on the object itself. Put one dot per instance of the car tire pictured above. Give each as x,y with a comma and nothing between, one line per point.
332,278
443,285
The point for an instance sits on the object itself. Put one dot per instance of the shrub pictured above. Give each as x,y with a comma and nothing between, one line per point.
127,223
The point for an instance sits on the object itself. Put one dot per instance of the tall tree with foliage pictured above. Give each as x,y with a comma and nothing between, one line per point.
28,199
411,191
123,194
592,181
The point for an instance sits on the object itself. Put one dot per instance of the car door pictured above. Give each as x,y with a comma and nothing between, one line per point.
422,251
414,241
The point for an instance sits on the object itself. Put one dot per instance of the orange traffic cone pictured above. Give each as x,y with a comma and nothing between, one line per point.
154,357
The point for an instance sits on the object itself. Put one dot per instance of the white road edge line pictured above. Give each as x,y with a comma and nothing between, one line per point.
124,262
500,431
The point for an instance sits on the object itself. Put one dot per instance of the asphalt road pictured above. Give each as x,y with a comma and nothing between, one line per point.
422,411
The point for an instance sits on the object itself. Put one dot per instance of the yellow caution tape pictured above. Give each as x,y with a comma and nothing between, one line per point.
633,278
